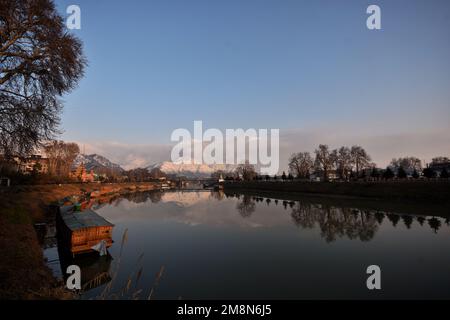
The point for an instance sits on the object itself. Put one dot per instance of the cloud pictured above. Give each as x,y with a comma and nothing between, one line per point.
424,144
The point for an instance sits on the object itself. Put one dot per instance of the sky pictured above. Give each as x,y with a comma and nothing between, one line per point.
309,68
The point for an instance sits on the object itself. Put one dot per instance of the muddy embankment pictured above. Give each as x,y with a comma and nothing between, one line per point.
23,272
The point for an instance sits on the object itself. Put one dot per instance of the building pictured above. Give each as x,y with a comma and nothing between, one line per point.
33,163
318,175
82,175
25,165
438,167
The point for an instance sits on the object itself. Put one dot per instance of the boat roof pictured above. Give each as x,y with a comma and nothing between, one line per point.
88,218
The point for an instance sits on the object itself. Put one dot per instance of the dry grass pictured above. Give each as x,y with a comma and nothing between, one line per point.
126,291
23,272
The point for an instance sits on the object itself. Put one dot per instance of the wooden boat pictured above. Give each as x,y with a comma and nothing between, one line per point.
82,230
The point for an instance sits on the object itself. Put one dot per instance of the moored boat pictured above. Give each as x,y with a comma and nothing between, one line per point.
83,231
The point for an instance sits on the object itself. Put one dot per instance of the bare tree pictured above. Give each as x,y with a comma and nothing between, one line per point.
142,174
300,164
344,162
61,156
246,171
325,160
360,158
409,164
39,62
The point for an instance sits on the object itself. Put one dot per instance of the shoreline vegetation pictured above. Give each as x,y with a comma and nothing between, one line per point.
414,192
23,270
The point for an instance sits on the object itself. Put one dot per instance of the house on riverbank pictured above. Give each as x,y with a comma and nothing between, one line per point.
83,175
25,165
439,167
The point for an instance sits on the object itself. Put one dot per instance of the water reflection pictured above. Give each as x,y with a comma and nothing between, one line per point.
336,222
246,206
206,238
332,221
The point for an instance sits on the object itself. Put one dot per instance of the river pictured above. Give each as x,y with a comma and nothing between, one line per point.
203,244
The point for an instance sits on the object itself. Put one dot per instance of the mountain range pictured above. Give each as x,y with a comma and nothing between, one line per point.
97,163
102,165
190,170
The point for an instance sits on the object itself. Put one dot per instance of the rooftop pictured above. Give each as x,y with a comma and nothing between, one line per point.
76,220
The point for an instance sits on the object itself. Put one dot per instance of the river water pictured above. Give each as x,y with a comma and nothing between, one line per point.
211,245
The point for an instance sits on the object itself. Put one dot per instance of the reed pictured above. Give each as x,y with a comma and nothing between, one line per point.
135,276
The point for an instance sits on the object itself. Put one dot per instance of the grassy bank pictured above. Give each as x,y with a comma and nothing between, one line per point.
408,191
23,273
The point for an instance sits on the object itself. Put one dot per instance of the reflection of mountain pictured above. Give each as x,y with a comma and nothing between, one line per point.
180,198
185,199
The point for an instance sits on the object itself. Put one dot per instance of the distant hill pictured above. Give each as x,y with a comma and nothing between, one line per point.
98,163
190,170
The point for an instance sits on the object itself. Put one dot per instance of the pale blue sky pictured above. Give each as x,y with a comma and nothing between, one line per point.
155,66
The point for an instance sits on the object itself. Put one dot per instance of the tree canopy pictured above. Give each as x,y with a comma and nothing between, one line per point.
39,62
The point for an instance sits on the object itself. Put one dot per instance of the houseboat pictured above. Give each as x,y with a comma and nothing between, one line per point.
83,231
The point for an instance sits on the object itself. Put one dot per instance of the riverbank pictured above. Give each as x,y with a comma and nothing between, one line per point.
427,192
23,272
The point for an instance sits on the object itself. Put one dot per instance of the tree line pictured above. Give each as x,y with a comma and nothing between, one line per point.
345,164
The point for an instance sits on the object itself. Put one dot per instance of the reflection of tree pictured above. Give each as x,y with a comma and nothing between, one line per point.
218,195
246,206
137,197
335,222
379,216
435,224
421,220
155,197
303,216
394,218
407,220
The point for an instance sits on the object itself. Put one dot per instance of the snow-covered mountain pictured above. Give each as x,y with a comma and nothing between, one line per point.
190,170
97,163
